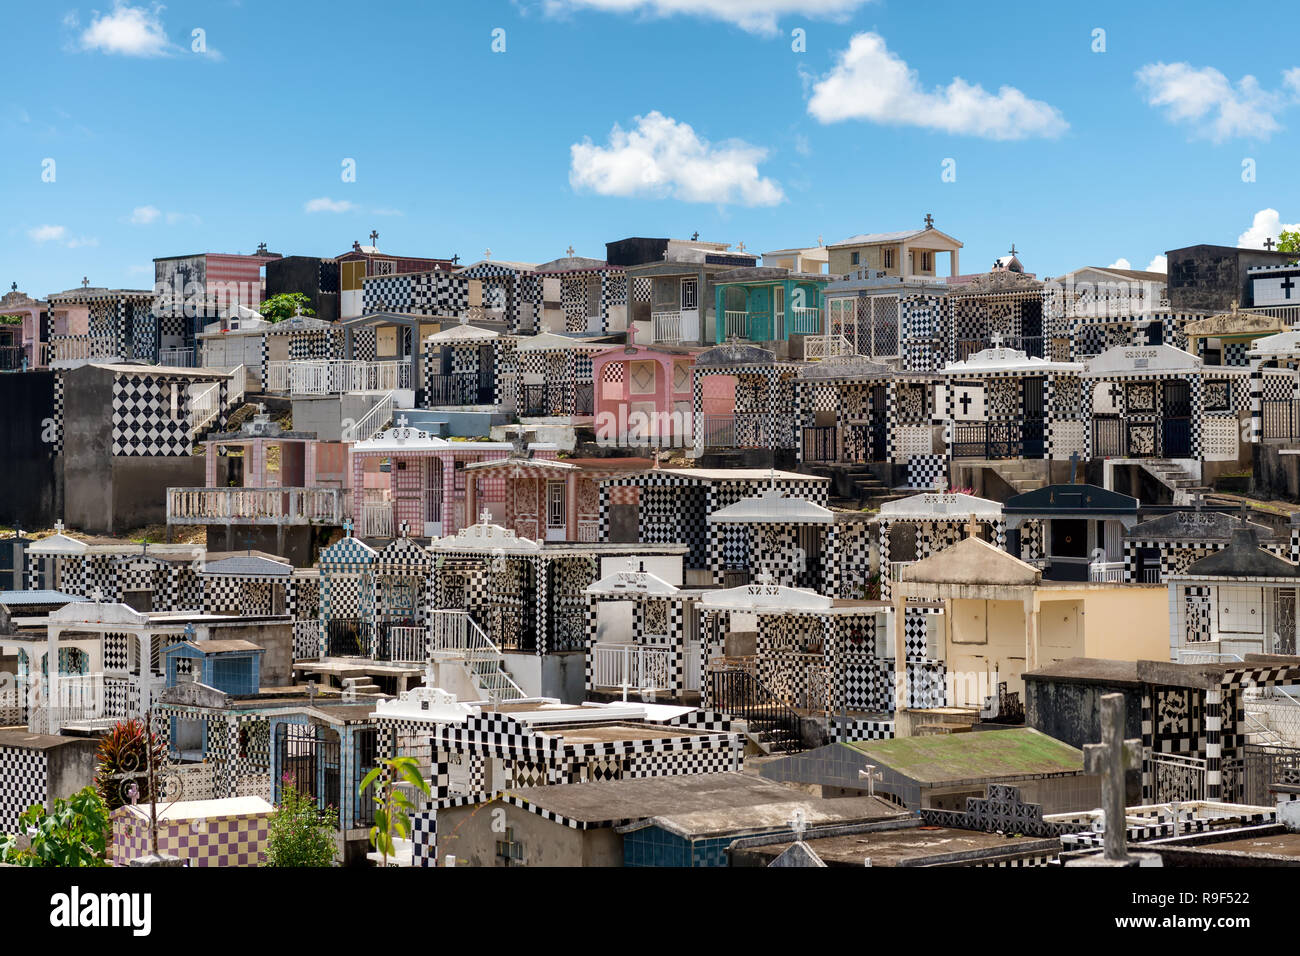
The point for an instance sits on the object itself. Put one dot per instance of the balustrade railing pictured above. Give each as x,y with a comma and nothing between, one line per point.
805,322
666,327
632,666
254,505
336,376
64,348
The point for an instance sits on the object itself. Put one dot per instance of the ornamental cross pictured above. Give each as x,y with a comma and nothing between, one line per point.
1109,759
798,824
972,527
1269,243
58,526
484,516
869,774
929,221
374,238
569,251
740,246
85,282
996,339
487,253
347,527
1287,285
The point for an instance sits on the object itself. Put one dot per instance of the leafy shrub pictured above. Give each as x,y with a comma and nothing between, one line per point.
75,833
301,834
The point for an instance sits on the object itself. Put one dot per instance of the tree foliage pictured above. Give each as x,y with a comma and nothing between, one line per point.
74,833
393,808
301,834
285,306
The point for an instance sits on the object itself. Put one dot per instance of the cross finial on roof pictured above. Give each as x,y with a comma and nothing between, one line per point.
741,245
1012,250
1269,243
13,286
929,221
261,408
940,485
821,241
85,282
695,236
455,260
374,238
189,631
798,824
763,577
868,773
484,516
1109,759
487,253
996,340
347,527
973,527
569,251
97,595
58,526
404,529
401,421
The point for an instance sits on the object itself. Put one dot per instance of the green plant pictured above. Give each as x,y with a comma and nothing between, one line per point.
123,763
393,808
285,305
74,833
301,834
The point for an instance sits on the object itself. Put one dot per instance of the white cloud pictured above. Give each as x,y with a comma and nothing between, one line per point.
661,158
127,30
1120,263
381,211
755,16
178,217
59,234
1267,224
1159,263
1211,104
871,83
143,215
325,204
47,233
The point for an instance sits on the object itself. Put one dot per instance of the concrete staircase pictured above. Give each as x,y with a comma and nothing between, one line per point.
1184,486
1020,475
360,686
855,487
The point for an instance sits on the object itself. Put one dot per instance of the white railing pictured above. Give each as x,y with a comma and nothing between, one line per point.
823,348
72,347
77,697
408,645
205,405
336,376
666,327
238,386
1106,571
634,666
372,422
805,322
376,518
456,635
252,505
735,324
176,358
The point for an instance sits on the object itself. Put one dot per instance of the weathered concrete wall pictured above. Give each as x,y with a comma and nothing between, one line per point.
623,523
71,767
472,837
1070,711
140,489
1213,277
298,546
87,449
277,638
31,489
1275,476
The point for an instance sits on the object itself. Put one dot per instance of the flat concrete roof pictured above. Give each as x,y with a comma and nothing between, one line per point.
909,847
983,755
1089,670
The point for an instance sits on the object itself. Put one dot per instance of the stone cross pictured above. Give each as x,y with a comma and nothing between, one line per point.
374,238
97,596
940,485
740,246
1269,243
996,339
798,824
868,773
1109,759
85,282
569,251
929,221
455,260
484,516
347,527
401,421
58,526
695,236
487,253
973,527
404,528
189,631
1012,251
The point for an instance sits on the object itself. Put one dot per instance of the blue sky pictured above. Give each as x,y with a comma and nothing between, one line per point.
1079,157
